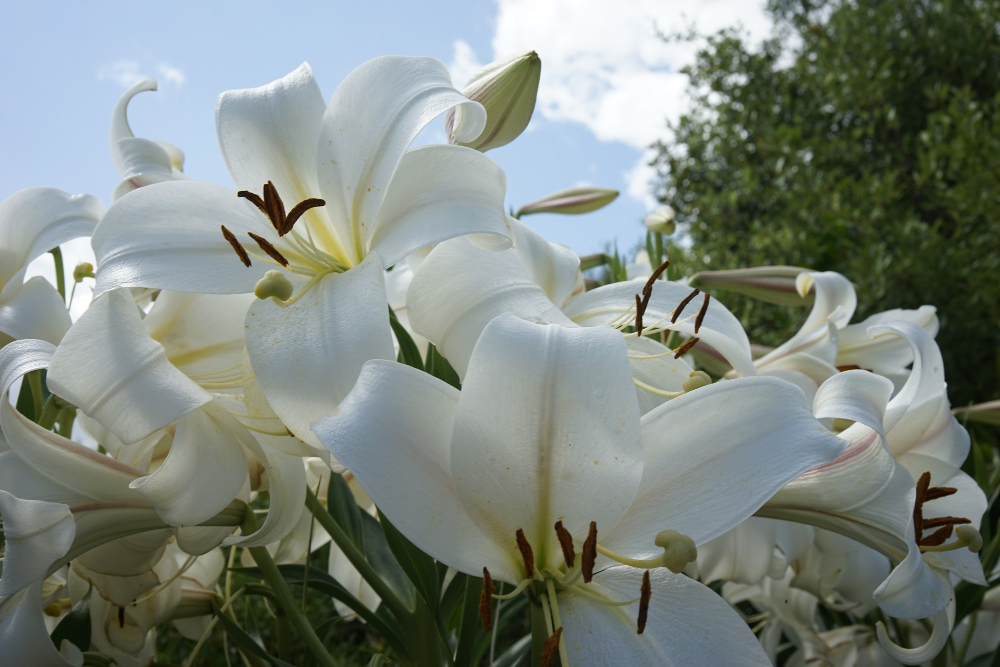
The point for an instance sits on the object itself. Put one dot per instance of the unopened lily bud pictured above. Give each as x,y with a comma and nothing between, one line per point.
570,202
661,220
678,550
83,270
773,284
274,283
697,380
506,89
987,413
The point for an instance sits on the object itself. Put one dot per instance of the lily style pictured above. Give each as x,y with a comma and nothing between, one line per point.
541,473
327,196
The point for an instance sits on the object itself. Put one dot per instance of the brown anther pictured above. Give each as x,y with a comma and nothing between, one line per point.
945,524
656,274
701,313
486,602
848,367
589,556
682,304
936,492
938,537
266,246
121,617
272,206
240,250
639,309
550,649
645,591
566,543
685,347
526,554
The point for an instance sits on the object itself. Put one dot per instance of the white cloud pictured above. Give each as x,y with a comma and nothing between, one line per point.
604,66
171,74
638,181
463,64
125,72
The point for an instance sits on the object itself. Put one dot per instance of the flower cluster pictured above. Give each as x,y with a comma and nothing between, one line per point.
358,349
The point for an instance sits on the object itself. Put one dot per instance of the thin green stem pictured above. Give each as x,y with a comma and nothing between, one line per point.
284,595
49,413
539,631
66,417
35,383
358,560
60,272
470,620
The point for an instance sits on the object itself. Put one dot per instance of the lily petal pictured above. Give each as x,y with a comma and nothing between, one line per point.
373,117
34,221
713,456
680,612
168,235
551,266
459,288
437,193
23,635
35,310
547,430
403,462
307,355
110,368
36,534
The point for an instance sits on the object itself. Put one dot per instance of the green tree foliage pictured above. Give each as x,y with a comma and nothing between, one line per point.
863,137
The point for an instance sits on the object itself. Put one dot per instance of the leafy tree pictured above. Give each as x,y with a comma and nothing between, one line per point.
862,137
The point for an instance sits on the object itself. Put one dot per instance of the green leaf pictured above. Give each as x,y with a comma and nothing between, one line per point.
384,563
516,654
417,565
245,641
439,367
344,509
75,626
409,353
378,661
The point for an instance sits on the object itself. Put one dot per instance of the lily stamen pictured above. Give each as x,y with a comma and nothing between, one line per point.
968,537
557,622
486,602
645,592
272,206
266,246
551,646
701,313
566,544
240,250
680,351
527,555
682,304
589,556
517,590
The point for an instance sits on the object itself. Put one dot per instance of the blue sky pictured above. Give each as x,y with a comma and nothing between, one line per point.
608,84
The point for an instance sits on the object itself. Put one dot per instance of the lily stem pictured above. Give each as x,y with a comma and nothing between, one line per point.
284,594
358,560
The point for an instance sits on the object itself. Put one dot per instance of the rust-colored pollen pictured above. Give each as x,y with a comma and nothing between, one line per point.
682,350
644,594
486,602
550,649
526,554
647,292
945,524
240,251
680,307
272,206
566,544
701,313
848,367
121,617
266,246
589,556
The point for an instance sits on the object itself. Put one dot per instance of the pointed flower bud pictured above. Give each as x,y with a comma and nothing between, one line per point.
507,89
773,284
661,220
570,202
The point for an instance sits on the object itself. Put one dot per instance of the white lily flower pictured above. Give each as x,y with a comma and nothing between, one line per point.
459,288
111,368
32,222
140,162
543,447
24,637
322,260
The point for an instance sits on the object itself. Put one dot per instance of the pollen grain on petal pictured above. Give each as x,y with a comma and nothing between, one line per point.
566,544
527,555
645,592
550,649
240,251
486,602
589,556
